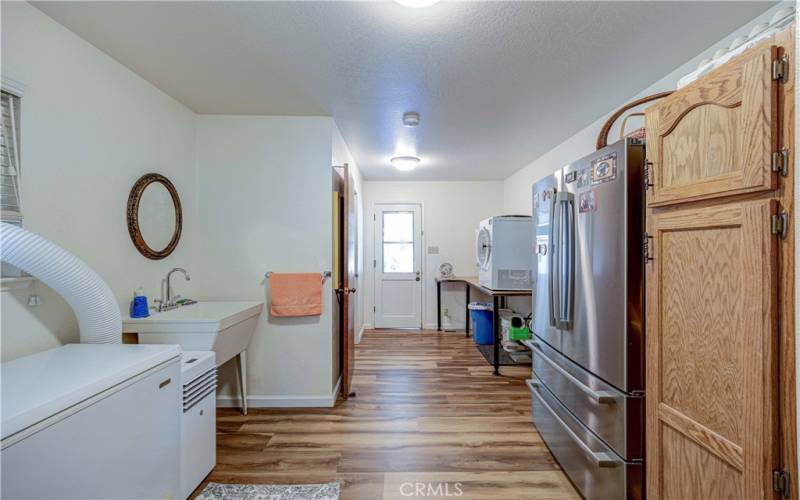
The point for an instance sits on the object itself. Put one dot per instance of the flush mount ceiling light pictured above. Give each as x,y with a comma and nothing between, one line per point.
411,119
416,4
405,163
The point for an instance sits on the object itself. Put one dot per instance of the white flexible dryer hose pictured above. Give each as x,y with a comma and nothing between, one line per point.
91,299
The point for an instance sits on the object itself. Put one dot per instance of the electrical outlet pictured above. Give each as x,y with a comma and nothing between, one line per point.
446,312
34,301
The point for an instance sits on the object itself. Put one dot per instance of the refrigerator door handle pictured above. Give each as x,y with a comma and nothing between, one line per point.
569,286
551,262
562,270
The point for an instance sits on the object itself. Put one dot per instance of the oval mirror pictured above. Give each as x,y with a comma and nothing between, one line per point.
154,216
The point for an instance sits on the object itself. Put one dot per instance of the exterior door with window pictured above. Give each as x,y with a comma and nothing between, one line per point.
398,266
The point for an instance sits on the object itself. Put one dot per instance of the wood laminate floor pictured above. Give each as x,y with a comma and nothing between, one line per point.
429,418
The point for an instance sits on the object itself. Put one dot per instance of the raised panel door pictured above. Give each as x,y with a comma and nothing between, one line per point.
715,137
711,352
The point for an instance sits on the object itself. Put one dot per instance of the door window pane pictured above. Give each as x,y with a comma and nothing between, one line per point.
398,227
398,257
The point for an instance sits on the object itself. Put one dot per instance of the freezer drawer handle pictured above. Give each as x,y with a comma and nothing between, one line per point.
600,459
532,384
600,397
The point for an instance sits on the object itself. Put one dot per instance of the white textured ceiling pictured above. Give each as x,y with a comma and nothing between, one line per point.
497,83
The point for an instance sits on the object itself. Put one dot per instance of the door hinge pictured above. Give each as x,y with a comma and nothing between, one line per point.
780,162
374,263
780,224
373,309
781,482
780,69
648,169
647,244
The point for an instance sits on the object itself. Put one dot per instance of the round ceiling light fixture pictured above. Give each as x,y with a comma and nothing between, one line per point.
405,163
411,119
416,4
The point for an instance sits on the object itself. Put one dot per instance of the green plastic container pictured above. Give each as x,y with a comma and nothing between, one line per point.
518,330
521,333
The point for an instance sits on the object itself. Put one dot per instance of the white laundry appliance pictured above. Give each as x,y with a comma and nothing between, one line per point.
503,248
92,421
198,418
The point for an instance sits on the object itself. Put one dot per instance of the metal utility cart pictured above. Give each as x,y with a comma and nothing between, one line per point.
499,300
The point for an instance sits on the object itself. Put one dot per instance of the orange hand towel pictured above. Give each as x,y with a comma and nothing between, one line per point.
295,294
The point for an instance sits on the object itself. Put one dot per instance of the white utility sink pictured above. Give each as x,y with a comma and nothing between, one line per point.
223,327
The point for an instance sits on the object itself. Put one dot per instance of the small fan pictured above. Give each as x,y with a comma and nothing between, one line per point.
446,270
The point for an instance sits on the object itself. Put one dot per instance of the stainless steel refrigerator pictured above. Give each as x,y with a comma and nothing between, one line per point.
588,305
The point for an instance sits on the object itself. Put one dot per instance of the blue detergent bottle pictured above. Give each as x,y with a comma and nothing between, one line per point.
139,307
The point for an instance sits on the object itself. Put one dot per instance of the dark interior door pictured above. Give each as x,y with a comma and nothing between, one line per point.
348,284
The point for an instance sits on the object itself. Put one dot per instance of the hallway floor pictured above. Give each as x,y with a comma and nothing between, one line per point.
428,414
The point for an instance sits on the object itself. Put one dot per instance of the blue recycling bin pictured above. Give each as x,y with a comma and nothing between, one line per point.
482,325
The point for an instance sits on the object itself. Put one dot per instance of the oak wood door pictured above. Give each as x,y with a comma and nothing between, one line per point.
715,137
711,352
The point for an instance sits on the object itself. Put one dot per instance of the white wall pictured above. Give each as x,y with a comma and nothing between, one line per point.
450,214
265,205
517,187
89,128
256,195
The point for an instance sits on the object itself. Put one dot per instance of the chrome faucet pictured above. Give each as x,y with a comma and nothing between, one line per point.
167,301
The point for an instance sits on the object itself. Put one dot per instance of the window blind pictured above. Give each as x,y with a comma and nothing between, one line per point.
10,202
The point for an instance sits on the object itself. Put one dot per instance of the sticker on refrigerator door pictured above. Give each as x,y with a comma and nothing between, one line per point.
542,206
604,169
585,178
587,202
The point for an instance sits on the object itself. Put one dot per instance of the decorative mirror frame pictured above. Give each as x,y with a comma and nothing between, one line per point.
133,216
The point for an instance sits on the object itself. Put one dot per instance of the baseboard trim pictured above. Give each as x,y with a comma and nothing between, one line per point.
445,327
364,328
360,334
336,389
284,401
280,401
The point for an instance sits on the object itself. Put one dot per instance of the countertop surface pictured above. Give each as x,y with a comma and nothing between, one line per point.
38,386
201,317
474,282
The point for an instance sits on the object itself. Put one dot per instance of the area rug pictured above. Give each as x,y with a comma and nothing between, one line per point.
219,491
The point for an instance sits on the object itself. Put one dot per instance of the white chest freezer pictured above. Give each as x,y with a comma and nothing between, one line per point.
92,421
